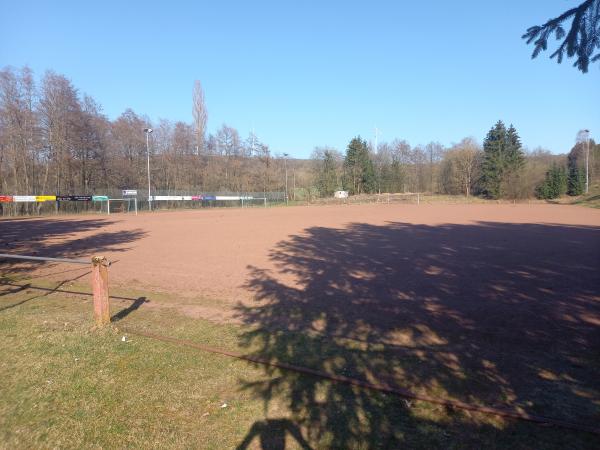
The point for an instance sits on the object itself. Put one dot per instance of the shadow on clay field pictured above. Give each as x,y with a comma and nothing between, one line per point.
505,315
59,239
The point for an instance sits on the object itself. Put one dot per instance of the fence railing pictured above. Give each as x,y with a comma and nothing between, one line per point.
99,265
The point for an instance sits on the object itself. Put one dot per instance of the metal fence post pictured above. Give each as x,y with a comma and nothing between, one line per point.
100,290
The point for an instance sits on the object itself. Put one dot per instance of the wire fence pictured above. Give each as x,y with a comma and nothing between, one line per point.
99,281
196,199
386,198
124,203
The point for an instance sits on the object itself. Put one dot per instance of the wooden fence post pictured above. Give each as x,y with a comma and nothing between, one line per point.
100,289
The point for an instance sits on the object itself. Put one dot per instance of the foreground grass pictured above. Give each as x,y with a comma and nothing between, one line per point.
66,384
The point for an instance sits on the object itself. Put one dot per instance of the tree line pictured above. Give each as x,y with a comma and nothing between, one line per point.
56,140
499,169
53,139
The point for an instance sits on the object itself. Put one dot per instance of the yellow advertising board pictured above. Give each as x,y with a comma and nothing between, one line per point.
45,198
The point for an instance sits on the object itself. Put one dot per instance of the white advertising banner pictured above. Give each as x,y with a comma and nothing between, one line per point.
227,197
24,198
187,197
166,197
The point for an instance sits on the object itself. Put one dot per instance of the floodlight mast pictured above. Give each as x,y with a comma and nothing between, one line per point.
285,156
587,161
148,131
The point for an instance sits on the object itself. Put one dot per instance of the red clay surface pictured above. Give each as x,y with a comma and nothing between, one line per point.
491,303
213,253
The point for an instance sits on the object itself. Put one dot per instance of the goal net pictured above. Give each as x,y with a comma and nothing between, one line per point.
400,198
121,205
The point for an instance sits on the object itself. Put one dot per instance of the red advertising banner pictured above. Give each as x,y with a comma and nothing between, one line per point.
6,198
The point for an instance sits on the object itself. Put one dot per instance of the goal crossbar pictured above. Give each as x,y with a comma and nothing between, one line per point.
128,200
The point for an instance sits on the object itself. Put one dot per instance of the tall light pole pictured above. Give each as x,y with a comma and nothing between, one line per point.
375,150
285,156
587,161
148,131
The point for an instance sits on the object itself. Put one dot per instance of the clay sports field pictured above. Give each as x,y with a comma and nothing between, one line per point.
493,304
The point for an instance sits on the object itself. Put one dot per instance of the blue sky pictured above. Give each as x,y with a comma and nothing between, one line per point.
306,74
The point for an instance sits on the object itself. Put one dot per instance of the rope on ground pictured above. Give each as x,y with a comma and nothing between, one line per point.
508,413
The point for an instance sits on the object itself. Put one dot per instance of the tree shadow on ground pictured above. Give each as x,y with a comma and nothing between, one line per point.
59,238
136,302
15,288
273,433
503,315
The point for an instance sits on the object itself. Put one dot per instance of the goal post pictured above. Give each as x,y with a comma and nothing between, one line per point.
245,200
252,201
399,198
128,204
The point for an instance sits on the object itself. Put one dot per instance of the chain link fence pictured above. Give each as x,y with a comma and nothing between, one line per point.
209,200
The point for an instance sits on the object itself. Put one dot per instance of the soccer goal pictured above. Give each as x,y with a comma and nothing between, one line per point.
245,200
253,201
122,205
404,198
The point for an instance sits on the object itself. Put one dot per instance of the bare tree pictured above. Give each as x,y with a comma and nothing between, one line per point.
327,168
60,110
401,160
418,160
128,147
18,126
467,154
434,151
200,116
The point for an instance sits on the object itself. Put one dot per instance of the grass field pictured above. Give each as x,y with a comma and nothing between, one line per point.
490,305
66,384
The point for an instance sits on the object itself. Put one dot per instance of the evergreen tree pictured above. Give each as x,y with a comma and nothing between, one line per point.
515,158
369,178
503,160
576,161
554,185
576,181
359,172
580,42
493,158
514,161
327,181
